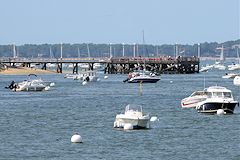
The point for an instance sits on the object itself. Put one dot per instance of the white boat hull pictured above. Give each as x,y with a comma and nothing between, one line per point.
191,102
136,123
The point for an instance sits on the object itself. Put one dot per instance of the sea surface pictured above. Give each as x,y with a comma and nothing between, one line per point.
39,125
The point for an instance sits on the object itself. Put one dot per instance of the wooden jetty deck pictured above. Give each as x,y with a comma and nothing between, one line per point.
115,65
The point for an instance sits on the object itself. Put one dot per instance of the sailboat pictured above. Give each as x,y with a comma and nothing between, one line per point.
219,65
235,66
51,65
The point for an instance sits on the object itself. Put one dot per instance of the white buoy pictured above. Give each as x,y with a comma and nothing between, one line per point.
105,77
171,81
84,83
128,126
52,84
76,138
236,81
220,112
153,119
98,79
47,88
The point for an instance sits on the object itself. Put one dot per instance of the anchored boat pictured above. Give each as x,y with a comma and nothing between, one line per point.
217,98
137,77
134,116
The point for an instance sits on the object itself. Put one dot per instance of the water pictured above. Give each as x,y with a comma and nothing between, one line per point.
39,125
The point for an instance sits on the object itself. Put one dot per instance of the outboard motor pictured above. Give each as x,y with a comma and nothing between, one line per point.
125,80
87,79
11,86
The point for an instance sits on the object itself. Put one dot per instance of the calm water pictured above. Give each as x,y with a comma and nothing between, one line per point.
39,125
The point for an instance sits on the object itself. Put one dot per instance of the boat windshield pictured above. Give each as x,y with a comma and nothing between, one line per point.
133,107
219,95
227,94
198,93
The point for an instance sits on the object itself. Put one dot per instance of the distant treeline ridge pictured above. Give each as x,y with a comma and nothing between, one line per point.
212,49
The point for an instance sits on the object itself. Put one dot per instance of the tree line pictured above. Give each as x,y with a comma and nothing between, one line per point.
211,49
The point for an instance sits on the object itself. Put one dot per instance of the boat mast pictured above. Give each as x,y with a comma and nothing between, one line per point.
143,38
88,51
134,49
238,55
123,50
78,53
176,50
199,51
221,56
61,50
110,50
50,52
14,51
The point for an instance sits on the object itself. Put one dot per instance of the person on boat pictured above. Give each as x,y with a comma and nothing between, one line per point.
11,86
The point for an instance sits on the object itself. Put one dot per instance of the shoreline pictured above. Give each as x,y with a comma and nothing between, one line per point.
25,71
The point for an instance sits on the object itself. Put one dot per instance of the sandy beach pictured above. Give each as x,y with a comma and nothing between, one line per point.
25,71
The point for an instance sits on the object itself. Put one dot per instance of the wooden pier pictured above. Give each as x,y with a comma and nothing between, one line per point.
162,65
115,65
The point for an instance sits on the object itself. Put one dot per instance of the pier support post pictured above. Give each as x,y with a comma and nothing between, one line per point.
44,67
75,68
59,68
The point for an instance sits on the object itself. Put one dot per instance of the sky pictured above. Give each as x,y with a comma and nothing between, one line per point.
118,21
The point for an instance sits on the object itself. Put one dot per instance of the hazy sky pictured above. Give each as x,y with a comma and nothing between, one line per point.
119,21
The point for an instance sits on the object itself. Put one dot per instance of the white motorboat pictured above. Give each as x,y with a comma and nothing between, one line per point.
193,99
206,68
72,76
85,75
89,76
234,67
134,116
39,80
51,65
29,86
236,81
217,98
98,67
136,77
220,66
32,84
229,75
